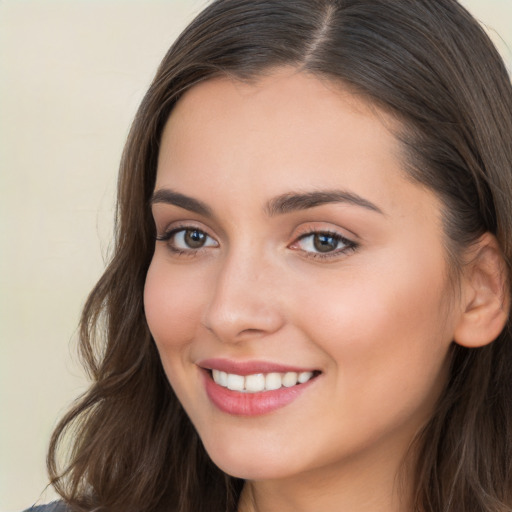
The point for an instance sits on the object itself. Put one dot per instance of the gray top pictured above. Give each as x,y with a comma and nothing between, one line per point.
56,506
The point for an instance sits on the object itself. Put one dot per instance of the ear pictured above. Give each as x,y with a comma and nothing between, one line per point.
485,295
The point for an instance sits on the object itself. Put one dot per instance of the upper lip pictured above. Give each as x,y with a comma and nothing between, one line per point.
249,367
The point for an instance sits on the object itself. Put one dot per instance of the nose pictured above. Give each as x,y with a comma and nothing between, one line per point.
244,302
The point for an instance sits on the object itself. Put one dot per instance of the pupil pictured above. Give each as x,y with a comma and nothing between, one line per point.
195,239
325,243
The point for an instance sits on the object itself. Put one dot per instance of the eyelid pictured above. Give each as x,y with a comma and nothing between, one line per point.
174,228
169,233
307,228
349,243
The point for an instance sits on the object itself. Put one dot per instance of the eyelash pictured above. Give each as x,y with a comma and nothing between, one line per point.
190,252
348,245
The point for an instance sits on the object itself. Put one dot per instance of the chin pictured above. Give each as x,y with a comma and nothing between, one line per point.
254,471
251,464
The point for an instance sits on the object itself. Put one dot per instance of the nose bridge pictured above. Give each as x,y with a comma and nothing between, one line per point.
242,302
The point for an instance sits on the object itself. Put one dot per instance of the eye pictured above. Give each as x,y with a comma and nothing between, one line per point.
187,239
191,239
323,244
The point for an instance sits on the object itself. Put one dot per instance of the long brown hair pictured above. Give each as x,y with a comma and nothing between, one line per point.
428,63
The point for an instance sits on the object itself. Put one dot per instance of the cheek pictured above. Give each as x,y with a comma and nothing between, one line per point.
174,302
172,306
387,332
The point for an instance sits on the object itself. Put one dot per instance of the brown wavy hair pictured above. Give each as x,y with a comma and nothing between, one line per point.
127,445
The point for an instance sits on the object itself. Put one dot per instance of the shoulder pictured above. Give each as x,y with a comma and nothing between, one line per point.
56,506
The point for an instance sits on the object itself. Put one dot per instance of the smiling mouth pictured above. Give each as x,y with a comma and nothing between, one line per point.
253,388
260,382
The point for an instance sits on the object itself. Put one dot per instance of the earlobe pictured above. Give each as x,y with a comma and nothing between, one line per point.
486,295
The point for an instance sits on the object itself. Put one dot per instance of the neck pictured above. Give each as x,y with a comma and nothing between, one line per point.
378,485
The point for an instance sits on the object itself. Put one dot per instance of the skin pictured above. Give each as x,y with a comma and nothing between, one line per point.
377,320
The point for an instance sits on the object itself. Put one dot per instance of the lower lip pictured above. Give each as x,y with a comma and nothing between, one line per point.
251,404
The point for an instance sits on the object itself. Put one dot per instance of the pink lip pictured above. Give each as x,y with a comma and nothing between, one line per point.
248,367
249,404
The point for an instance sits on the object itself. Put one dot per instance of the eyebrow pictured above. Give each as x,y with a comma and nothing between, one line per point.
167,196
302,201
279,205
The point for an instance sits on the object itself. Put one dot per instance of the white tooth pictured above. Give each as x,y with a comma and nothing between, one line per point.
223,379
255,383
304,377
273,381
289,379
215,375
235,382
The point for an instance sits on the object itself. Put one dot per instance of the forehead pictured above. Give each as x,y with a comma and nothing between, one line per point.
281,118
276,94
243,143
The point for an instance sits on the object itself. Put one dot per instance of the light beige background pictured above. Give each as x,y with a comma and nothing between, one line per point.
72,73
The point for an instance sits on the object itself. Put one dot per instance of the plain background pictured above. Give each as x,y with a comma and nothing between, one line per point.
72,73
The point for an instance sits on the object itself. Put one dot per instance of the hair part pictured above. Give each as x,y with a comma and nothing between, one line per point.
430,65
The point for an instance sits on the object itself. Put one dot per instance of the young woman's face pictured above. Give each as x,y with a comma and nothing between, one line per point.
299,293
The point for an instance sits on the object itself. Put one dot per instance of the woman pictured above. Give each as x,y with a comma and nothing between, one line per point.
307,307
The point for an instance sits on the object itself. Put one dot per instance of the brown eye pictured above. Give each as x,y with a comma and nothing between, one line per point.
323,242
194,238
184,240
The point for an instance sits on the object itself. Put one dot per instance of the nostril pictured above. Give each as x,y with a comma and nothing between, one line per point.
251,331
